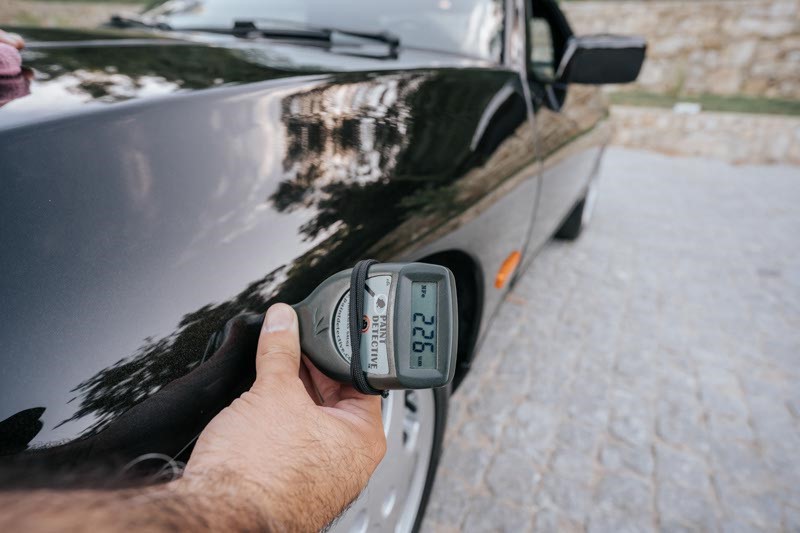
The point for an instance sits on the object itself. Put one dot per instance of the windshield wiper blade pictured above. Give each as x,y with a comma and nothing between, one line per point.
243,28
118,21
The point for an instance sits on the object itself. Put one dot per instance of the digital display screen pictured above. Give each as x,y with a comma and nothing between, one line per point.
423,324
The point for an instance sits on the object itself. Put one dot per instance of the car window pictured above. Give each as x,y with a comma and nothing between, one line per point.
542,53
549,33
468,27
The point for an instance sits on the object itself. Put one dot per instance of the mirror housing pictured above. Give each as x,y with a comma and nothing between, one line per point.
601,59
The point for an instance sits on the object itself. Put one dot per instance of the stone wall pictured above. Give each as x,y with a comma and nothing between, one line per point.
724,47
735,137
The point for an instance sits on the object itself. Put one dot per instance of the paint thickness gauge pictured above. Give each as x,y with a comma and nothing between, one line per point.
408,326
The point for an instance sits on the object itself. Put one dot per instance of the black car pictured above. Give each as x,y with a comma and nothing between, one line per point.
166,173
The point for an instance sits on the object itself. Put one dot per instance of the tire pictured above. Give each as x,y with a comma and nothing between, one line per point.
382,507
573,225
442,399
580,215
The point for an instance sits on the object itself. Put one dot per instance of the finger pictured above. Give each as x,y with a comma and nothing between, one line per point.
362,416
327,387
279,344
19,42
308,383
12,39
365,406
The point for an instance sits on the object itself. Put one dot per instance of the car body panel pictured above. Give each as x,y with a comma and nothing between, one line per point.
572,126
77,70
155,187
570,143
138,229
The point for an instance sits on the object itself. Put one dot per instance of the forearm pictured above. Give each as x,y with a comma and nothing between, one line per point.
219,502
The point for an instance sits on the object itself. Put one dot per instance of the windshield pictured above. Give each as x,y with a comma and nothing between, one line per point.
468,27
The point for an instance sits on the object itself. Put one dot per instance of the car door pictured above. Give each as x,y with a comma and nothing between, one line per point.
144,246
571,121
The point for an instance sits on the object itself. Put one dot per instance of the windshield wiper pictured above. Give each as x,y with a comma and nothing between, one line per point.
243,28
117,21
246,28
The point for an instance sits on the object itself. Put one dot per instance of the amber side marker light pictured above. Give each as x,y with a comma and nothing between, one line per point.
507,269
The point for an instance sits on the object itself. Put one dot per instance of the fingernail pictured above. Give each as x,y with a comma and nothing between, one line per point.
280,317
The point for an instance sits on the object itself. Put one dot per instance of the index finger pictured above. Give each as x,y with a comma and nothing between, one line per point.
365,407
12,39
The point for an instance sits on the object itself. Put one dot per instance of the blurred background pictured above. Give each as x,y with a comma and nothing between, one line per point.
648,376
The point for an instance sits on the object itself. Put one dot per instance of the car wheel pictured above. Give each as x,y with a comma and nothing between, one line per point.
580,215
398,493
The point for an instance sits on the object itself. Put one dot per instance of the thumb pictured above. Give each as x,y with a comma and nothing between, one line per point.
279,343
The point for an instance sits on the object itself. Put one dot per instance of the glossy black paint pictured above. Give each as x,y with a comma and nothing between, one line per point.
153,191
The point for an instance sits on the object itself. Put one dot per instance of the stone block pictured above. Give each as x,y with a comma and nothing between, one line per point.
571,499
514,477
617,456
724,81
624,494
693,509
681,468
739,54
486,514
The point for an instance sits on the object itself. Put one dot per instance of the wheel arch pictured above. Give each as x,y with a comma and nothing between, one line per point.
469,291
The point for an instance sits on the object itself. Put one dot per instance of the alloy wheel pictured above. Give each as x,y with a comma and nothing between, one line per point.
392,499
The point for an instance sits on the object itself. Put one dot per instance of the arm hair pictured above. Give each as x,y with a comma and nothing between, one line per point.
213,502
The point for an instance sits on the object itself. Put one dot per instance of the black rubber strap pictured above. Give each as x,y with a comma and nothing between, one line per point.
358,282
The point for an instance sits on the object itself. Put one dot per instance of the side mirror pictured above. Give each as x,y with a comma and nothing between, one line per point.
601,59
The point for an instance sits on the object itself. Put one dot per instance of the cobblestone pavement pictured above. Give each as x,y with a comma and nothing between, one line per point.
645,377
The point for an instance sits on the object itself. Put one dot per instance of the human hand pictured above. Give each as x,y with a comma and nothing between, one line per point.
12,39
296,448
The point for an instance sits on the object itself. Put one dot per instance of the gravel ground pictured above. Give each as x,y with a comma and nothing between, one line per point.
645,377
